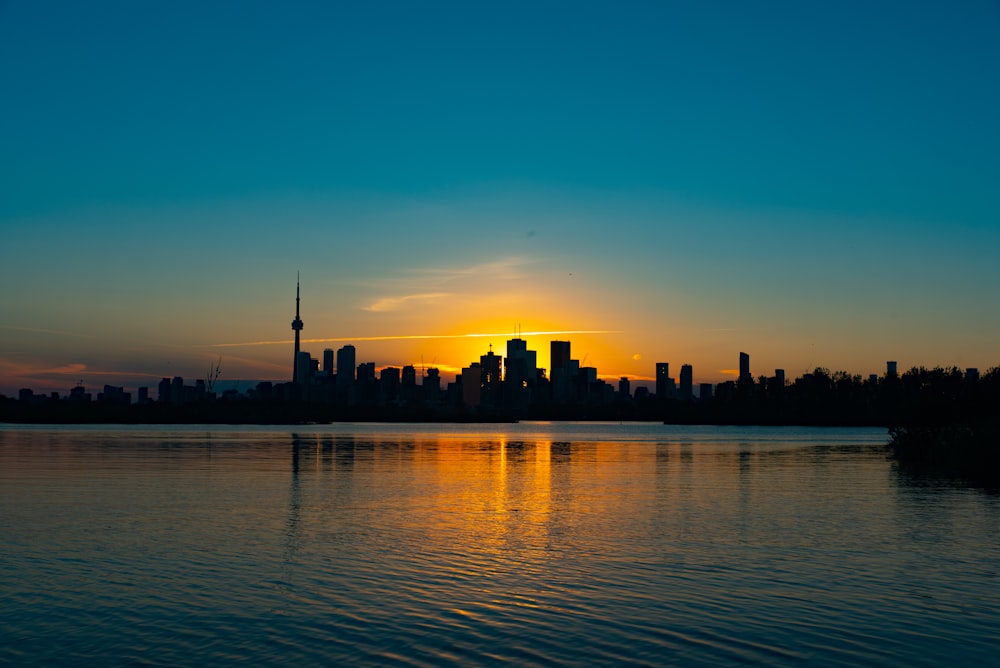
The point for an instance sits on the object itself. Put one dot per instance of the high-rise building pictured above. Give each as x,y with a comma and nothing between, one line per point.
328,362
520,365
388,382
297,328
491,364
779,377
432,384
558,355
519,373
624,388
366,373
890,369
472,380
704,391
663,380
745,367
303,368
346,364
561,371
687,381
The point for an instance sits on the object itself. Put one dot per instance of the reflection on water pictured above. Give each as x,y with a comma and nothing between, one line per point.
531,544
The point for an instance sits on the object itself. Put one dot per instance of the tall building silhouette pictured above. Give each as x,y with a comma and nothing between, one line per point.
664,383
558,355
296,327
328,362
560,370
346,361
745,367
687,381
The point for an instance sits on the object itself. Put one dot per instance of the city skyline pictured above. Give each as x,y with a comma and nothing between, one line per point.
812,185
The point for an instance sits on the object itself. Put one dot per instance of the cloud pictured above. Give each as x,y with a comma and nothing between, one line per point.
385,304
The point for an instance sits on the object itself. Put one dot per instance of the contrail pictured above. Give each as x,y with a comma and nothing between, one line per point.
417,336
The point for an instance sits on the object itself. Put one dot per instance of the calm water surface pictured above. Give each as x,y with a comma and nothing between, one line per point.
528,544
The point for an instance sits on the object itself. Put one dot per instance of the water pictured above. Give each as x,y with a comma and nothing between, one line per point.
528,544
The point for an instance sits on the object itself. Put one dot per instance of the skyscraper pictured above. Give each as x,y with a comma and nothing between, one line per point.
296,327
561,371
687,382
558,355
663,380
745,367
346,361
328,362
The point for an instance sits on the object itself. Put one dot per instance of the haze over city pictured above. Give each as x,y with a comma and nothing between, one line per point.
814,184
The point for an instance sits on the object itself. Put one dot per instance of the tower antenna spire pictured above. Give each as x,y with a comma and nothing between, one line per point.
296,327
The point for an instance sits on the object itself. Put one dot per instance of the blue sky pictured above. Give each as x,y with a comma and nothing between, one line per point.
812,182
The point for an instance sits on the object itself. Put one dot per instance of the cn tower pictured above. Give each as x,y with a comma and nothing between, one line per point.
297,327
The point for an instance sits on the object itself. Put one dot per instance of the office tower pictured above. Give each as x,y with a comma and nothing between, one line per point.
704,391
328,363
346,361
560,371
520,365
303,368
297,328
624,388
558,355
687,381
490,364
388,383
779,377
366,373
890,369
432,384
662,380
745,367
472,380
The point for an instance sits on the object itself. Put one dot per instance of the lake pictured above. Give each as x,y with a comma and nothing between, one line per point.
529,544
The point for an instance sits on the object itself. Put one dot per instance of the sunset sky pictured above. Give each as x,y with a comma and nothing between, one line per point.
813,183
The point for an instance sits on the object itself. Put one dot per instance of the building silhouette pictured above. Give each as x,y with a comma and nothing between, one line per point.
687,382
664,383
624,388
520,373
745,368
561,371
328,363
346,365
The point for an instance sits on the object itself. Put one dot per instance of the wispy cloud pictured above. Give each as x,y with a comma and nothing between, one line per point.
402,337
422,285
384,304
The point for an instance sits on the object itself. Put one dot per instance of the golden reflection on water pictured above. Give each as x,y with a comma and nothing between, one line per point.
580,543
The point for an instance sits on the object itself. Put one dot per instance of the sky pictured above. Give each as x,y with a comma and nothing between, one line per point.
813,183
